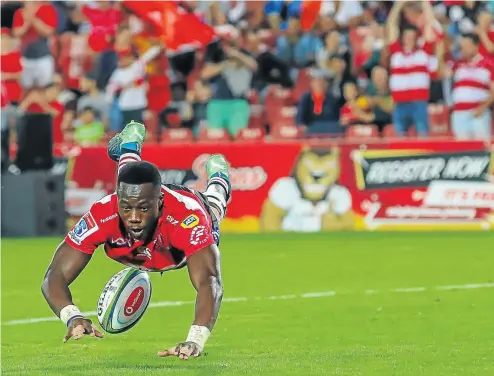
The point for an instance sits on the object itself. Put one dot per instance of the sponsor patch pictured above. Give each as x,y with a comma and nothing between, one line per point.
198,235
190,222
85,227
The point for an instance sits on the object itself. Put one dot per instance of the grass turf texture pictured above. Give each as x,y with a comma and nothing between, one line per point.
431,332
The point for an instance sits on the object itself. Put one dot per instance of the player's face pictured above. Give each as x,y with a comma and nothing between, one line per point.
139,208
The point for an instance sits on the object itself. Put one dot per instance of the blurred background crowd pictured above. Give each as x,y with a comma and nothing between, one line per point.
275,69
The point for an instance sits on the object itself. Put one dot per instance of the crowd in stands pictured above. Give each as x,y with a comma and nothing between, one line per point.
362,69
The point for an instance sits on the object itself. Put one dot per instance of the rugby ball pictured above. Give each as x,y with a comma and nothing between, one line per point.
124,300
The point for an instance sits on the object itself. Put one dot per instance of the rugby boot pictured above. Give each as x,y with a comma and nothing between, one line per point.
217,169
130,140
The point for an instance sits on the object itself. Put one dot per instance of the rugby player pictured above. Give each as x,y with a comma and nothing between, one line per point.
151,226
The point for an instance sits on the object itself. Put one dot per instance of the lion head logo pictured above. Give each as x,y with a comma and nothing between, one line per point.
315,171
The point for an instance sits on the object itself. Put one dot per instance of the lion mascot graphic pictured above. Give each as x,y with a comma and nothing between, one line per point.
310,200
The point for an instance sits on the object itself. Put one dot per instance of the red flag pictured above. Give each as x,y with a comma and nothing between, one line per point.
308,14
179,29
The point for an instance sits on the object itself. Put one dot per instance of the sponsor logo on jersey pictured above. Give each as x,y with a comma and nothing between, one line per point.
85,227
120,242
190,222
198,235
134,301
172,220
109,218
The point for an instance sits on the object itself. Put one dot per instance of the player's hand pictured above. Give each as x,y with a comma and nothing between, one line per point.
183,350
80,327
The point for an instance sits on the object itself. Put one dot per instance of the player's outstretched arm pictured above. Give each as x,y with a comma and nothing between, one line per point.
66,265
205,275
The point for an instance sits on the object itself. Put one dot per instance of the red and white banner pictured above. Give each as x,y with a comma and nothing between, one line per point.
321,186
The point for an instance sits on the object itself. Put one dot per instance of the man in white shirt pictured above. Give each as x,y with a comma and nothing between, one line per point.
127,83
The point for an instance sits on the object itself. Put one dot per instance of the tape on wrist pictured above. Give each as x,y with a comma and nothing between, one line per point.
198,335
68,313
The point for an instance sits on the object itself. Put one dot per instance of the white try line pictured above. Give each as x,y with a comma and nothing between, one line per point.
306,295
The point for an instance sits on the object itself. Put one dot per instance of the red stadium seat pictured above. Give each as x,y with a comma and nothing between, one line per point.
277,96
213,135
253,97
256,118
438,120
389,131
302,85
281,116
250,134
286,132
177,135
362,131
152,126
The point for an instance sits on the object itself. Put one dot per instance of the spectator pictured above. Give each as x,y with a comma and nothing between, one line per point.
34,23
333,45
231,79
93,98
318,110
485,32
356,109
88,129
45,102
379,97
410,78
195,110
127,81
104,18
339,77
11,74
296,48
279,11
473,93
218,13
345,14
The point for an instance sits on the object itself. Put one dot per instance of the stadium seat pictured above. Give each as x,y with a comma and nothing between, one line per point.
256,118
302,85
213,135
277,96
152,126
286,132
389,131
250,134
281,116
176,135
438,120
362,131
253,97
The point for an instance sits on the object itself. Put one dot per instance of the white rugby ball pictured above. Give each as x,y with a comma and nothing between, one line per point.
124,300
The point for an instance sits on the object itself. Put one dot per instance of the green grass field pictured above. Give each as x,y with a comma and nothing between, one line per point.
368,326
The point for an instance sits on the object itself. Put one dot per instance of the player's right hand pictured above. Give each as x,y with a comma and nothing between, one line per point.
80,327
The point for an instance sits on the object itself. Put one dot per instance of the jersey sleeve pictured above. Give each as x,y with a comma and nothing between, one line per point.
86,235
193,233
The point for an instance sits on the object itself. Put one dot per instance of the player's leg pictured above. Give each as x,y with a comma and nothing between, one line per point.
219,187
125,147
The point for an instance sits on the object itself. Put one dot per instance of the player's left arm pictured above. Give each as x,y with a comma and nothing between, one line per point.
194,236
205,275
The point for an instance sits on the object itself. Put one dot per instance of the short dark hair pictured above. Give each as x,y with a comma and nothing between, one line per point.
473,37
138,173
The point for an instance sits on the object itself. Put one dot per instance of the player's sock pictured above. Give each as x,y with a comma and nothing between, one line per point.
219,187
128,158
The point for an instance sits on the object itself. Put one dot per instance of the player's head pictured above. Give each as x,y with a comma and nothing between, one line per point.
409,36
469,45
139,198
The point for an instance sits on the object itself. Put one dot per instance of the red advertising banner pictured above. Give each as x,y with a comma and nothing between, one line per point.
320,186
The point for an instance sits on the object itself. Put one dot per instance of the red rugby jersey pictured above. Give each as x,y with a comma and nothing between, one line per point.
184,228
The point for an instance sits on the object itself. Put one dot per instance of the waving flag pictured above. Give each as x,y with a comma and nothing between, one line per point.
179,29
